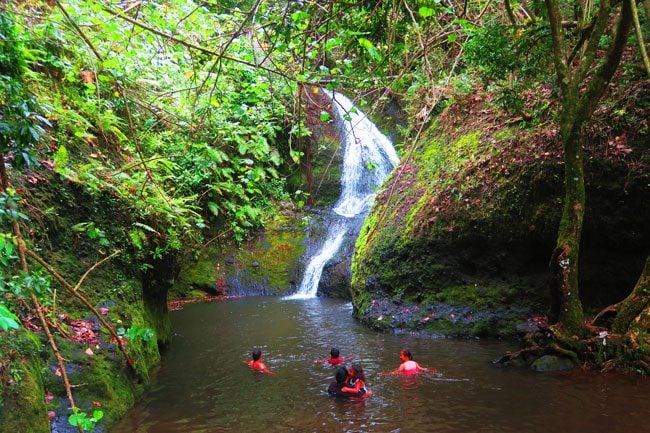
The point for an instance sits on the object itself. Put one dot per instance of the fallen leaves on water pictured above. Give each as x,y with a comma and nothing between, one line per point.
179,303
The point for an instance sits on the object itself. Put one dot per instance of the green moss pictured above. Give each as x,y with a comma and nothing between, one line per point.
360,303
360,251
22,397
441,326
473,296
203,272
268,261
106,383
271,258
468,146
504,134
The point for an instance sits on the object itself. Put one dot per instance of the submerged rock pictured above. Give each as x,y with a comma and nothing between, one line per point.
549,363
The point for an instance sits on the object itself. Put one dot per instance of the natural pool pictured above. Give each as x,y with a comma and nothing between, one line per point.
203,385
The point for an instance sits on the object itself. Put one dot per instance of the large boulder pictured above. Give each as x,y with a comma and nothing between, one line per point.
469,220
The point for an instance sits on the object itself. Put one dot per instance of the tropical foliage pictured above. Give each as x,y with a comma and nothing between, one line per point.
188,116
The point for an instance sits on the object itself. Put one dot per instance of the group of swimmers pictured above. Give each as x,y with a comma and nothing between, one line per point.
348,382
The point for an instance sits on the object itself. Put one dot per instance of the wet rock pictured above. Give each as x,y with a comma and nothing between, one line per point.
335,280
548,363
438,319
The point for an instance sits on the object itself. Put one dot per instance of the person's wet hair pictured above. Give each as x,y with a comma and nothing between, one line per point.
341,374
257,354
334,352
407,353
358,372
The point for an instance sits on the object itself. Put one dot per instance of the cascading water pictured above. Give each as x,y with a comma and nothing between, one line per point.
368,158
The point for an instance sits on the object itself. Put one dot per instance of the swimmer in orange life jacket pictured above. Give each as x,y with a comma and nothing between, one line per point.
356,382
256,363
408,365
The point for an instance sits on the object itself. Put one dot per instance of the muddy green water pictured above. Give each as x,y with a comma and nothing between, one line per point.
203,385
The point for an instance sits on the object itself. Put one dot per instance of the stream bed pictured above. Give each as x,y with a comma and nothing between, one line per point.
204,387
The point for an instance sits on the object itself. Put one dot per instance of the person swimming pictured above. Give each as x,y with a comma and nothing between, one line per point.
408,365
339,382
256,363
334,359
356,383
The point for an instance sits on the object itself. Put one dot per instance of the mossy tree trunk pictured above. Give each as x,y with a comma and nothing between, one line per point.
566,308
582,76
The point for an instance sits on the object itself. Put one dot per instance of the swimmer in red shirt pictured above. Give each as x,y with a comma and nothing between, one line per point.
334,358
408,365
256,363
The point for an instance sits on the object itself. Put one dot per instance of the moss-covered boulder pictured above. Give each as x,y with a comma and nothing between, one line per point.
468,221
267,264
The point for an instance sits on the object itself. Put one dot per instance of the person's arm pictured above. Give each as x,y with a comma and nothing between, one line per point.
396,371
357,386
426,370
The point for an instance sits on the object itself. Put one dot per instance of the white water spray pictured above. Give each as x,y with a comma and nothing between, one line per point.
368,158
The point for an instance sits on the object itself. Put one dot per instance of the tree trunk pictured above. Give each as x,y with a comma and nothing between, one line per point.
581,87
635,303
566,308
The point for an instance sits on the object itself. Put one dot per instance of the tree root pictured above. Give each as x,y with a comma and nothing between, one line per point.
605,317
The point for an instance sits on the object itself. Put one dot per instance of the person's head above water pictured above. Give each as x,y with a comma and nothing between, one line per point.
334,353
407,354
341,374
358,372
257,354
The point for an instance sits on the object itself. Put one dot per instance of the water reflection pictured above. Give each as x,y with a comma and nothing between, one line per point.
203,385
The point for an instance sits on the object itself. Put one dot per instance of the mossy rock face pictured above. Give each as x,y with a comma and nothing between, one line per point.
22,398
268,264
117,286
471,221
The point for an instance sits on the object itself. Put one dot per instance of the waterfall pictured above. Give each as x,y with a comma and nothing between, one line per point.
368,158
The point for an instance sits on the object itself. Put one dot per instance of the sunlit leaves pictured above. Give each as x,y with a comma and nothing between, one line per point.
83,420
92,231
426,12
8,320
300,19
370,48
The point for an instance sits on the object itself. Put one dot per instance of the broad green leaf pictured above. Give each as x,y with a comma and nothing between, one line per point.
425,12
8,320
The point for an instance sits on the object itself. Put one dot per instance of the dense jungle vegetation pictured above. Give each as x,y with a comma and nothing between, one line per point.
133,132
